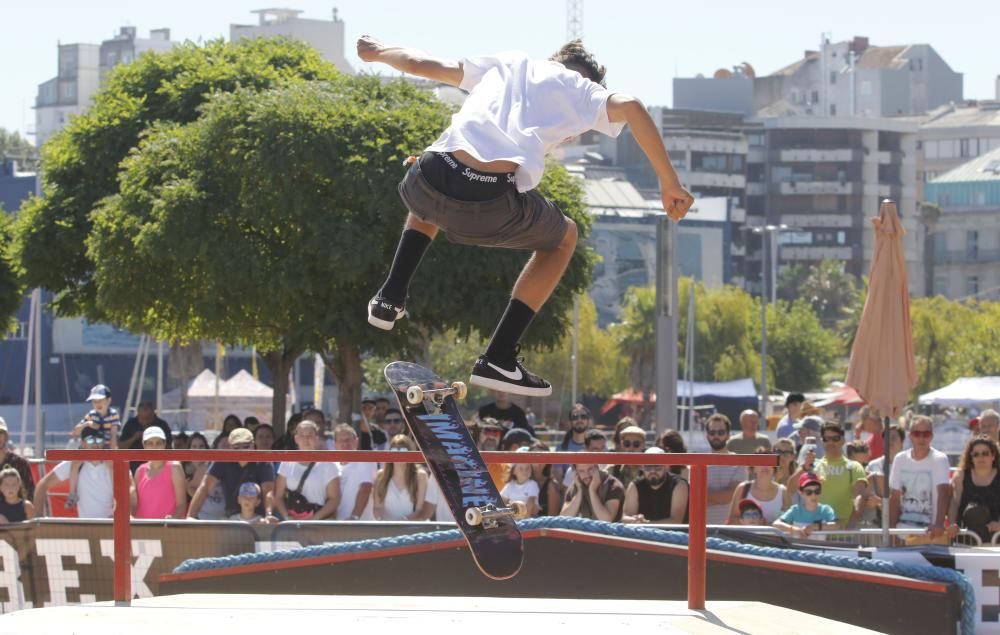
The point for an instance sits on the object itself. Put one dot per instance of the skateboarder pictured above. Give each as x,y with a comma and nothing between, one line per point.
477,181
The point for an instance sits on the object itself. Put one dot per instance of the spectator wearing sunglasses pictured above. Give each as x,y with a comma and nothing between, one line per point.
393,423
809,516
631,439
843,480
658,496
722,479
749,438
579,423
785,449
95,494
975,502
918,481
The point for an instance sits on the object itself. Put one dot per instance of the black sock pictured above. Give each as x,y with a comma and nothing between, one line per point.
512,326
411,248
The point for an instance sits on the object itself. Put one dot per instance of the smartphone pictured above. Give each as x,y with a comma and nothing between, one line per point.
807,447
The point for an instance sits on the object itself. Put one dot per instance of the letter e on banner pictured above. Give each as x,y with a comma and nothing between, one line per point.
54,550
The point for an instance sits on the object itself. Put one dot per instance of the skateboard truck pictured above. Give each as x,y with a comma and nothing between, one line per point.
488,515
415,394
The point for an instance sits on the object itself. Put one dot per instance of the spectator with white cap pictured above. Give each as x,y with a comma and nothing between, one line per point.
808,427
9,458
658,496
159,489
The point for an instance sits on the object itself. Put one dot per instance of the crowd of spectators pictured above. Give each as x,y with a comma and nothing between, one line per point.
821,480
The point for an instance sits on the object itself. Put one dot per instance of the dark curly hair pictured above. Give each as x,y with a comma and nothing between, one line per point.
574,56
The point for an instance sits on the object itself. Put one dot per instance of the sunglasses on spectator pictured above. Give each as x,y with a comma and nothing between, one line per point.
751,515
579,416
394,420
717,433
835,439
785,452
811,491
986,454
631,444
921,434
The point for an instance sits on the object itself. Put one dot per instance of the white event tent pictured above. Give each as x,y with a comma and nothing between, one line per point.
964,392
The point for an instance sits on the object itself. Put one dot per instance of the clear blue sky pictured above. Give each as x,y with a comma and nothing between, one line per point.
644,44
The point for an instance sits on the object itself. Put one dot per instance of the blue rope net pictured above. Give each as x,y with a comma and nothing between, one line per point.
638,532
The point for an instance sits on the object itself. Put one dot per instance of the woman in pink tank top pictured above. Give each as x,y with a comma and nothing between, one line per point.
159,489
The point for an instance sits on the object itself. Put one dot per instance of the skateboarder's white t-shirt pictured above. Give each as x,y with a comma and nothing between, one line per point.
519,109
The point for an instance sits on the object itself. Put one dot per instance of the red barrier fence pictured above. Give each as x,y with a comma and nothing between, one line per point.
699,464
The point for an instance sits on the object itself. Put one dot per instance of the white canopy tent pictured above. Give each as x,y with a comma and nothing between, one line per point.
964,392
241,395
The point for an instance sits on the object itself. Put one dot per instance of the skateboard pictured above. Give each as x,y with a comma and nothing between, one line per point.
489,526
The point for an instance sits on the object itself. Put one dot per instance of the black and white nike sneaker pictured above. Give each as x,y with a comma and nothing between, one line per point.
511,377
383,312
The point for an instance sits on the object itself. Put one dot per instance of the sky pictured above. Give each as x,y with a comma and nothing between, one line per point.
643,43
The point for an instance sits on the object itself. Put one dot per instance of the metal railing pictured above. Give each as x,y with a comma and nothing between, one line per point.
697,498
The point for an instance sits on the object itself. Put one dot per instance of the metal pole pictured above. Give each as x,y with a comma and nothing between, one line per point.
29,355
122,532
159,376
666,324
574,354
763,325
39,427
886,492
774,266
696,537
690,356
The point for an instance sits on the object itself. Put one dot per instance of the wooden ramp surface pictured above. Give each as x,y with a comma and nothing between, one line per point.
218,614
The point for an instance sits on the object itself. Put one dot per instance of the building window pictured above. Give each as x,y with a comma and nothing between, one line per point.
815,97
19,334
833,110
866,88
939,286
972,244
931,149
940,247
979,198
833,77
972,285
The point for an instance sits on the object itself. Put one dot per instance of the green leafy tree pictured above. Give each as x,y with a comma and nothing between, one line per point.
799,349
10,289
14,146
81,163
938,338
270,220
980,354
829,289
636,336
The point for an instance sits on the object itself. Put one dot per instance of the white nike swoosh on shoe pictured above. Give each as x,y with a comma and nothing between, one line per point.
513,376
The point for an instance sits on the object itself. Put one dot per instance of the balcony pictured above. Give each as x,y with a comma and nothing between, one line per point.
815,187
817,155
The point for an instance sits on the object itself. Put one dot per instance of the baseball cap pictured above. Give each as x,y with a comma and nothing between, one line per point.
749,503
240,435
249,489
812,422
153,432
100,391
3,424
808,478
655,450
91,433
632,430
368,399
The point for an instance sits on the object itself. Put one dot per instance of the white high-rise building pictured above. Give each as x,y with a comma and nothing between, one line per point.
326,36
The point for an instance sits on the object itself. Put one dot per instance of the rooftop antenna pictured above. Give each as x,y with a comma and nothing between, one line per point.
574,20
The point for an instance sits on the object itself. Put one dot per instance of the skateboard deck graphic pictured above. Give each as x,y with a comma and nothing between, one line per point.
457,467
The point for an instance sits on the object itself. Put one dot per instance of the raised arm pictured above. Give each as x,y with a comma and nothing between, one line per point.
676,199
410,61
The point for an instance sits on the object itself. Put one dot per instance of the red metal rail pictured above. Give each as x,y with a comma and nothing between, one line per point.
699,464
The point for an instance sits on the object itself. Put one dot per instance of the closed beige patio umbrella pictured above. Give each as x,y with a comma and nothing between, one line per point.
882,369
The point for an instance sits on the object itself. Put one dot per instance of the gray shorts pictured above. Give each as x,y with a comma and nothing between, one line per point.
513,220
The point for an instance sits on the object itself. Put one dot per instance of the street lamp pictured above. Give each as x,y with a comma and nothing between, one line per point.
767,233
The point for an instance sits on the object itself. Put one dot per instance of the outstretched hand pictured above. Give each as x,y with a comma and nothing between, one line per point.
369,48
676,200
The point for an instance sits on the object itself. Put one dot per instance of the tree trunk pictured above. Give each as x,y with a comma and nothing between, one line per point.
345,365
280,364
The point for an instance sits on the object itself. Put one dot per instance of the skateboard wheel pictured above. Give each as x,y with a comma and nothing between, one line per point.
520,509
473,516
461,390
414,395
